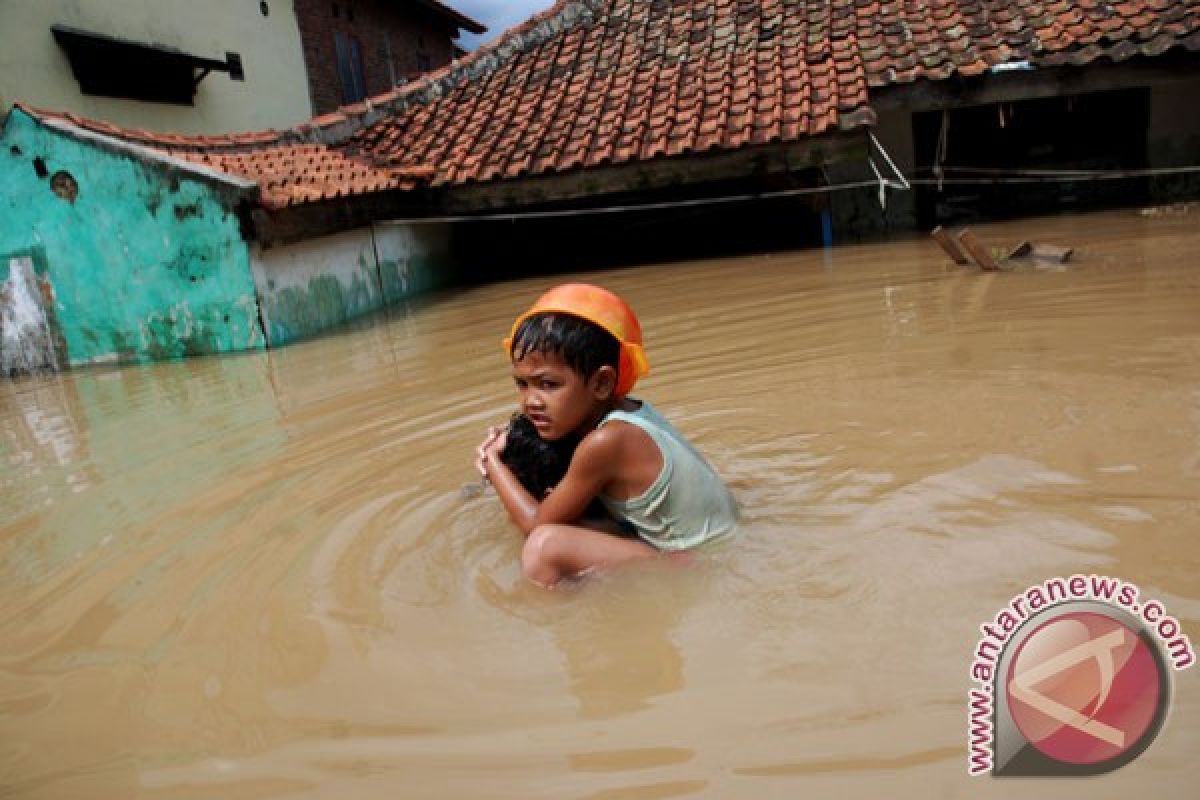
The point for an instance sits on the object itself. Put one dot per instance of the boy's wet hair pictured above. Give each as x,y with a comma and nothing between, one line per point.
538,464
584,346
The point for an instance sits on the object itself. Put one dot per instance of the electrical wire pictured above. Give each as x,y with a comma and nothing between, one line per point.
987,176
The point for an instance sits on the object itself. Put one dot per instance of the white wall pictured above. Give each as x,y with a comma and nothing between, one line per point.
35,69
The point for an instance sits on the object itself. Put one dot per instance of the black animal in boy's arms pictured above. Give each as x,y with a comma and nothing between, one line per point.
539,465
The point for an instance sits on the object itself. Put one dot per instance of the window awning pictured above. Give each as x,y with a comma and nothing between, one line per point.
112,67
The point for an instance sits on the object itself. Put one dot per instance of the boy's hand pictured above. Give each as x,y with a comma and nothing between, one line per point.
493,443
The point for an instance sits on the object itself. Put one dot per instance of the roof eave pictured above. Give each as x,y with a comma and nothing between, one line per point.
142,153
689,168
458,18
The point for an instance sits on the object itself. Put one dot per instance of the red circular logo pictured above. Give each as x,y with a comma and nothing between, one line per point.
1083,688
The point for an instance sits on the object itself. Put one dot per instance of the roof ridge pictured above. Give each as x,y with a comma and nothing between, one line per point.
336,127
208,142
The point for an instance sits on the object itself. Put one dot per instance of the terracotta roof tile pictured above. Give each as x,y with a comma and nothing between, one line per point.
973,35
616,81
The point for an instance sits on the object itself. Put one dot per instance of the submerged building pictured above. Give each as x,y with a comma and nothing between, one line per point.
147,245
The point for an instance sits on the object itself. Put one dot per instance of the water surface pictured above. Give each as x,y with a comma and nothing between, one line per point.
267,575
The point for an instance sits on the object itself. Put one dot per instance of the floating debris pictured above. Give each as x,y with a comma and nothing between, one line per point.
1172,210
967,248
976,249
469,491
1041,252
949,245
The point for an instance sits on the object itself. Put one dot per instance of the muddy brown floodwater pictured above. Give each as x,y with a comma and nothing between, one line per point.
264,576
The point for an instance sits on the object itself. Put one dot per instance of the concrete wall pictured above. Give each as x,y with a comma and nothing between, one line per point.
412,259
35,69
138,258
143,261
316,285
312,286
1174,139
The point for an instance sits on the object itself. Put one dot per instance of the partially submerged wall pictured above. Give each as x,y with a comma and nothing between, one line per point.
145,262
413,258
315,285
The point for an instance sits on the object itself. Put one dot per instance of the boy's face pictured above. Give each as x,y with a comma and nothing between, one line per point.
557,399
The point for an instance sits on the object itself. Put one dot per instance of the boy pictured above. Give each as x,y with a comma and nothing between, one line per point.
575,356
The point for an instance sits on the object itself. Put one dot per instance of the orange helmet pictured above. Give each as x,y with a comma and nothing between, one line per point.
603,308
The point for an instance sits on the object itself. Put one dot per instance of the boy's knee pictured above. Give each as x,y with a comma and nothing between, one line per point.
538,555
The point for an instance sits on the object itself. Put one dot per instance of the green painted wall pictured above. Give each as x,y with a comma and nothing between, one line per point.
146,261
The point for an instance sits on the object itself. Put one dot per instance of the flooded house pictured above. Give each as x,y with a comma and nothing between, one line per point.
1019,108
595,128
277,573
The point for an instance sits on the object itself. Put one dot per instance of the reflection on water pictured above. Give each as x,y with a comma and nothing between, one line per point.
261,576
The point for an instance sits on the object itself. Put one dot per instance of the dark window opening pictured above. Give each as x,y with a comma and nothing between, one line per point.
111,67
1095,131
350,66
538,245
424,64
335,11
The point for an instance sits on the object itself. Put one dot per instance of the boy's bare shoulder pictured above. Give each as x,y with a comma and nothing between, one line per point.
622,442
601,442
614,436
630,458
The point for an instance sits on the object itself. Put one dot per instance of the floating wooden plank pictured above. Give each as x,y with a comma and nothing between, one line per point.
949,245
975,248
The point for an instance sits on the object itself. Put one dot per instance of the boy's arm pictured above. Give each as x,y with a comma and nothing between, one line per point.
519,503
590,471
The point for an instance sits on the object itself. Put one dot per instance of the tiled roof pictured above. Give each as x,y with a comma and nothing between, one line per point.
617,81
903,41
600,82
590,83
288,173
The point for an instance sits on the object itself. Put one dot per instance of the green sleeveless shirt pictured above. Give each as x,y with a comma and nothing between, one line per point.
687,505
